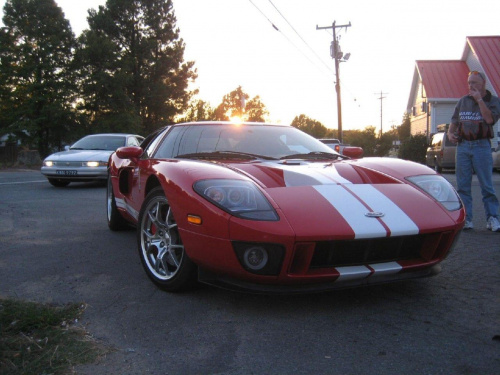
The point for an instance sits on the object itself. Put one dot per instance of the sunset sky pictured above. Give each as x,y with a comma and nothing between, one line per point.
234,43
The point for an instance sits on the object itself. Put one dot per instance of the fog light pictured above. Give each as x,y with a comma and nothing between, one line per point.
260,258
255,258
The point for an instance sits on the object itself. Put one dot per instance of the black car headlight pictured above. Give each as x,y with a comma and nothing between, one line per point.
239,198
438,188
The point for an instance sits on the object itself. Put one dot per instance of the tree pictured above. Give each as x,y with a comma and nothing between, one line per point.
232,105
366,139
310,126
255,110
385,142
35,75
404,130
236,104
414,148
198,110
8,52
133,74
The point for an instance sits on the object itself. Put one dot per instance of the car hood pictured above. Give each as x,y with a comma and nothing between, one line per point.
350,198
81,155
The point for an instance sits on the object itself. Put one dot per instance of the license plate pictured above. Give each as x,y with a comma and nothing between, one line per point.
67,173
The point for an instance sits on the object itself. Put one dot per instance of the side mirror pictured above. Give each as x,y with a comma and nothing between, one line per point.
353,152
129,152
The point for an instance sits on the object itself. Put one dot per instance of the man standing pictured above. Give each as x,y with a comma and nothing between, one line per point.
472,127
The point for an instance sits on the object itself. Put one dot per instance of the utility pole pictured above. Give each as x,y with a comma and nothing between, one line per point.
381,97
337,54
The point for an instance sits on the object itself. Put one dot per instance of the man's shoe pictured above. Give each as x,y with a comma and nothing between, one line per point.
468,225
493,224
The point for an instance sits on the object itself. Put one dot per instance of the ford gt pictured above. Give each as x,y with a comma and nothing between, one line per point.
267,208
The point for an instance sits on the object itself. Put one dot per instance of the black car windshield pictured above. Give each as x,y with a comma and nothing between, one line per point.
96,142
258,140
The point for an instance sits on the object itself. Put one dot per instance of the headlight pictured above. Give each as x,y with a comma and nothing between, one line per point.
239,198
438,188
48,163
95,164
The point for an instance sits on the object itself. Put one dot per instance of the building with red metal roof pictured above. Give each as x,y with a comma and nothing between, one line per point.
438,84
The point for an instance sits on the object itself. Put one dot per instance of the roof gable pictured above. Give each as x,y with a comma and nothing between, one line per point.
446,80
487,51
443,79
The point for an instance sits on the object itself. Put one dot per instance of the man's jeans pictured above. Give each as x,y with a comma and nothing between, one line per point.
476,156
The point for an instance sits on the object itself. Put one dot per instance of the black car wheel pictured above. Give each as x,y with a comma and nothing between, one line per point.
115,219
160,247
58,182
437,167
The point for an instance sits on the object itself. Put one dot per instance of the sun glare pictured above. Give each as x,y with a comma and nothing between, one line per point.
236,120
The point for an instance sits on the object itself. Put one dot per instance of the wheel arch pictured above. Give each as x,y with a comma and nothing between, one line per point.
151,183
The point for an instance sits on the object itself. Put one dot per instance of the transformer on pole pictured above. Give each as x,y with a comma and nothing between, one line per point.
338,56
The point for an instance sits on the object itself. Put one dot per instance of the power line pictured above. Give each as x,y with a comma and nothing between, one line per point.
307,45
261,12
289,40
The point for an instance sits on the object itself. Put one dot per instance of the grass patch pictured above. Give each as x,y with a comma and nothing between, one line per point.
42,339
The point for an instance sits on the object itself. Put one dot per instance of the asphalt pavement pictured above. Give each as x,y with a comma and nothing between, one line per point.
55,247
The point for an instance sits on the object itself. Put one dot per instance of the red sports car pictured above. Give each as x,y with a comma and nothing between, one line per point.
268,208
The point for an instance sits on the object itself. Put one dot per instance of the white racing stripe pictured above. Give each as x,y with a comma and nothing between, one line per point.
313,174
398,222
347,201
353,211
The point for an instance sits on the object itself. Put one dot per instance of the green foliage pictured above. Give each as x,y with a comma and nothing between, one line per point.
255,110
126,73
366,139
414,148
232,105
40,339
198,110
310,126
132,73
8,52
362,138
404,131
36,82
385,143
236,104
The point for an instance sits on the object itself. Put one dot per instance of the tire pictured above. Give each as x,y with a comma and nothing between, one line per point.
58,182
116,221
437,168
160,246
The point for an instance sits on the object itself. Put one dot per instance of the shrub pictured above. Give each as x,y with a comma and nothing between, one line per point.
414,148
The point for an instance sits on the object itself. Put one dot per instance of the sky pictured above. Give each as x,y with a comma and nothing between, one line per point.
273,49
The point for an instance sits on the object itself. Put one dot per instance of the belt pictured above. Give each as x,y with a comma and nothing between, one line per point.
473,140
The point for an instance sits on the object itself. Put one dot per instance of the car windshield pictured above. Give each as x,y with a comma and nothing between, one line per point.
96,142
256,141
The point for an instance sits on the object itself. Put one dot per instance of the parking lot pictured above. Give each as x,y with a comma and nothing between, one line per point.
55,247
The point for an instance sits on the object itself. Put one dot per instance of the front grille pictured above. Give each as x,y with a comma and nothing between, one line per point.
68,163
377,250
